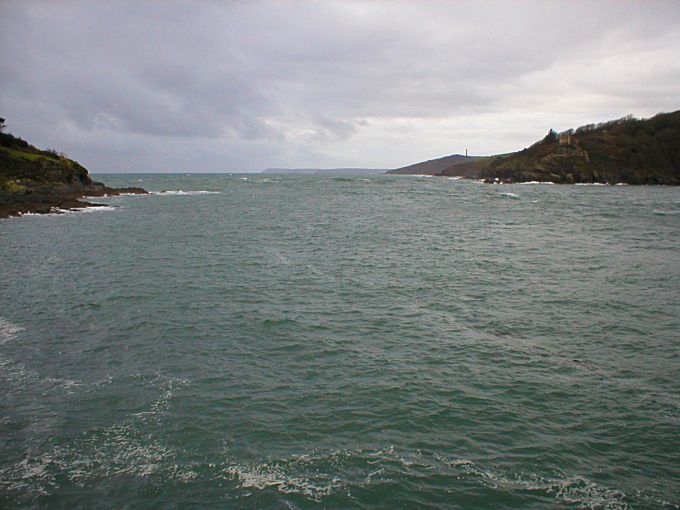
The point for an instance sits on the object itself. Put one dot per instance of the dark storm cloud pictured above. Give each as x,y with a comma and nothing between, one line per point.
147,85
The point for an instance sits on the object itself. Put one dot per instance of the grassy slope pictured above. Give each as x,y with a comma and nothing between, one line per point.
22,164
32,180
433,166
31,156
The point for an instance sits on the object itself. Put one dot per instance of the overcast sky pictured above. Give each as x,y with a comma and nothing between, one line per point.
208,86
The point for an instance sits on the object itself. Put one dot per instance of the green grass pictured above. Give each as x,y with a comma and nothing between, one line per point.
12,186
15,153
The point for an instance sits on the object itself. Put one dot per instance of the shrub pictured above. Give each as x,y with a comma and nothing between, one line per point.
551,136
13,142
13,186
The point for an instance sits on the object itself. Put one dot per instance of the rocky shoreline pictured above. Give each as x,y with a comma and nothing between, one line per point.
45,181
51,200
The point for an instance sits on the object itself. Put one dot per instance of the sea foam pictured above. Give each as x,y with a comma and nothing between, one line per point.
56,211
185,192
8,330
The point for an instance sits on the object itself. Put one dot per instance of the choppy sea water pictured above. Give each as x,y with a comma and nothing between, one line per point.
255,341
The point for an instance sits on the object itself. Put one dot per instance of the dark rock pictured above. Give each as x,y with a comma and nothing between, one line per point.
35,181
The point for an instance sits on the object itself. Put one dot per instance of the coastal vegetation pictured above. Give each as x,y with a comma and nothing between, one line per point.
43,181
626,150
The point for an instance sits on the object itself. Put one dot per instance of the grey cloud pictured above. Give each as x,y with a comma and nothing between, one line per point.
311,83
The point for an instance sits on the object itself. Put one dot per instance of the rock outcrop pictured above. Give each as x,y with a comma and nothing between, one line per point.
36,181
628,150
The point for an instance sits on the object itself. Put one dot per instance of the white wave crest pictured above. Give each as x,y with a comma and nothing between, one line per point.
263,476
301,474
122,449
56,211
8,330
176,192
95,197
98,208
573,490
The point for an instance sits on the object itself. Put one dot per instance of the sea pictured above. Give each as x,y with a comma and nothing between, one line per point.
302,342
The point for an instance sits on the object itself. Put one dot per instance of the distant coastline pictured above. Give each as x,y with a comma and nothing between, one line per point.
326,171
622,151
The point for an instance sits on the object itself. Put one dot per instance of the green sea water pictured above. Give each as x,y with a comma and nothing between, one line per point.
268,341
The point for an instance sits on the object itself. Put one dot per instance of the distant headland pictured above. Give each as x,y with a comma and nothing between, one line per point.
627,150
326,171
44,181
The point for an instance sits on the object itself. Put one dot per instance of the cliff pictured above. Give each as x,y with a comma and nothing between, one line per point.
628,150
33,180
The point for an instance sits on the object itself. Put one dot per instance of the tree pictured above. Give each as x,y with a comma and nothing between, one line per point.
551,136
2,124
